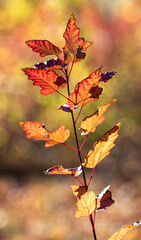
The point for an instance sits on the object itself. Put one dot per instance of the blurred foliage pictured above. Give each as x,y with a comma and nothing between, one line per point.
115,28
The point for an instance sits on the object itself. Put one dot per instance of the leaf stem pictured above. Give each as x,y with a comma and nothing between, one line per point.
79,180
83,143
70,147
79,154
91,176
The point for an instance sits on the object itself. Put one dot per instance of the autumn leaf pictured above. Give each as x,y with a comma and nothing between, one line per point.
90,123
86,91
52,64
60,170
86,204
37,131
43,47
104,199
75,47
49,81
101,148
123,231
86,201
106,76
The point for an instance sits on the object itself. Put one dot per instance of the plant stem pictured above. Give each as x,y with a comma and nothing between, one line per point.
79,153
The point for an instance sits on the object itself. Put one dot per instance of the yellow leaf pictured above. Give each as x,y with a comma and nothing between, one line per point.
101,148
123,231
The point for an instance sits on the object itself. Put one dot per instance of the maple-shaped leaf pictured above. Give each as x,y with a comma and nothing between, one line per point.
90,123
49,81
104,199
43,47
37,131
75,47
123,231
101,148
60,170
52,64
86,91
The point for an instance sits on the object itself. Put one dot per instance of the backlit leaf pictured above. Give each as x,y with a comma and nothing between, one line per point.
90,123
101,148
123,231
86,204
49,81
43,47
75,47
37,131
104,199
60,170
86,91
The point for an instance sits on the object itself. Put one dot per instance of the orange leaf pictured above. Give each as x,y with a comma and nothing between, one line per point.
59,136
86,204
43,47
49,81
123,231
104,199
37,131
75,47
101,147
64,171
86,91
90,123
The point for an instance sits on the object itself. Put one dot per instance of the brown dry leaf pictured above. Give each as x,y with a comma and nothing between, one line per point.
90,123
123,231
101,147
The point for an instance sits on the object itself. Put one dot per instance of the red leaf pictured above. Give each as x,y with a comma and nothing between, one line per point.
75,46
49,81
37,131
86,91
43,47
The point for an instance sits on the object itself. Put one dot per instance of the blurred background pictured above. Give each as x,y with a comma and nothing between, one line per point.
39,207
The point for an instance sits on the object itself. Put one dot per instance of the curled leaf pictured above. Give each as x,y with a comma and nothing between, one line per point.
66,108
90,123
52,64
123,231
101,148
43,47
37,131
60,170
49,81
75,47
104,199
